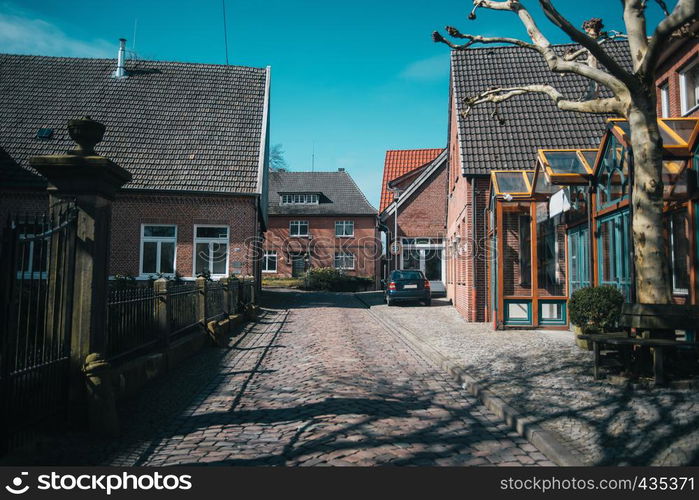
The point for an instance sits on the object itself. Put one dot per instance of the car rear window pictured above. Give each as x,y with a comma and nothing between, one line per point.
406,275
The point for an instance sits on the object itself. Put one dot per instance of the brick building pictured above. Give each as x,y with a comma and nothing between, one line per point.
414,187
194,137
678,80
480,143
319,219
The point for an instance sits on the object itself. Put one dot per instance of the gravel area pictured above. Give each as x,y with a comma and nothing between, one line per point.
545,375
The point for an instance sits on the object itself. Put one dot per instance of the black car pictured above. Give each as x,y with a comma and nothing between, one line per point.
407,285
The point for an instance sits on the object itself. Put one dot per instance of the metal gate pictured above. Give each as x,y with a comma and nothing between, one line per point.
37,259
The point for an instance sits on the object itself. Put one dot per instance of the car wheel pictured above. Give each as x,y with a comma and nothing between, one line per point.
428,302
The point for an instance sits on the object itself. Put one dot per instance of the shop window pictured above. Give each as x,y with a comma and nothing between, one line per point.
552,312
518,312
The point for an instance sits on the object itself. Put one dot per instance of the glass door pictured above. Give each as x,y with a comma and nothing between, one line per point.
578,258
614,266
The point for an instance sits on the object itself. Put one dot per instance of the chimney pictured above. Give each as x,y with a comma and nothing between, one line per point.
121,60
340,169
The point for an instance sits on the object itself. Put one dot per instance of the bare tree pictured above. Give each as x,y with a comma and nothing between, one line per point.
633,96
277,162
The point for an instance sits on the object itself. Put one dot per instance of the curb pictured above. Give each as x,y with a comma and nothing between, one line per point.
524,425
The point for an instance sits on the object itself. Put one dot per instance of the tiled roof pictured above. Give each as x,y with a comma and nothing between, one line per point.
174,126
340,195
399,163
532,121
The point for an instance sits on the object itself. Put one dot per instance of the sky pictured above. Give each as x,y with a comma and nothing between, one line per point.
350,80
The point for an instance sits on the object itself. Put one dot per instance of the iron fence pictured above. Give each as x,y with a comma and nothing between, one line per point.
182,308
131,321
37,259
215,300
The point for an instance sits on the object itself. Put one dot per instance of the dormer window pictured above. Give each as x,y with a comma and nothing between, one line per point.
300,199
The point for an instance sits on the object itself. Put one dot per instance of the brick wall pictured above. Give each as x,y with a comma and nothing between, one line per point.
131,210
365,245
467,266
668,73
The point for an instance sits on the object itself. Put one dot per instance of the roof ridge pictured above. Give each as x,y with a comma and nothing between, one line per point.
112,59
517,47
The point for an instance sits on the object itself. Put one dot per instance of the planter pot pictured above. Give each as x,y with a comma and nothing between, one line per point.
582,344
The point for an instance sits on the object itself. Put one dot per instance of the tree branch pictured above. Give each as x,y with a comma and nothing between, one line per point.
589,43
610,105
555,62
473,39
684,12
635,21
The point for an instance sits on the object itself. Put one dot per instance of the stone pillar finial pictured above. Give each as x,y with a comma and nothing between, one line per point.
86,133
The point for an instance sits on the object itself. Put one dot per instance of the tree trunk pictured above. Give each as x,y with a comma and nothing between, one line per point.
652,271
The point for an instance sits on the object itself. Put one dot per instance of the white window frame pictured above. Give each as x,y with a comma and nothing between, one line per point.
159,240
299,223
684,105
344,224
665,100
299,199
344,255
265,261
196,240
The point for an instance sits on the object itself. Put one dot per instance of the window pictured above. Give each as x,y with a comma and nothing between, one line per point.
34,248
298,228
665,100
211,250
679,252
344,228
344,260
158,249
300,199
689,87
269,262
525,256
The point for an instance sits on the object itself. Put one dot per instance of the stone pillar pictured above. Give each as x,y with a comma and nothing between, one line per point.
161,316
90,181
201,300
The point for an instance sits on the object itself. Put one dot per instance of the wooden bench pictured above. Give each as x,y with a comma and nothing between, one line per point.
650,321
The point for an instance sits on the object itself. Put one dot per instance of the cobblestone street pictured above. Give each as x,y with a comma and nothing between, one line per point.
314,382
546,377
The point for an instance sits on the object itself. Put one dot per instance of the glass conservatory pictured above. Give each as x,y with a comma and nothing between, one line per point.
541,247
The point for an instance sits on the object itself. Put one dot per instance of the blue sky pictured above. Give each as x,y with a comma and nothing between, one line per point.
349,79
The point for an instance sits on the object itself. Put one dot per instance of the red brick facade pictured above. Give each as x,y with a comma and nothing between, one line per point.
424,214
132,210
669,74
323,243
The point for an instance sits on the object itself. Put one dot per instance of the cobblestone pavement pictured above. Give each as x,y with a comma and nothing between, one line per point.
546,376
314,382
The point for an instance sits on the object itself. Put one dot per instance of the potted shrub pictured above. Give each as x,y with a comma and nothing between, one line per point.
594,310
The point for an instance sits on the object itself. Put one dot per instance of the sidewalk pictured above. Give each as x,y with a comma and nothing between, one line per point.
545,377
